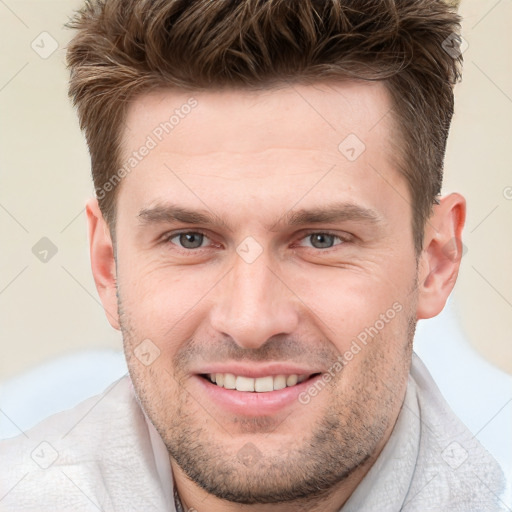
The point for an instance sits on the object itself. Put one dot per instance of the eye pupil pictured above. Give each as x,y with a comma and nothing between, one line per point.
191,240
324,240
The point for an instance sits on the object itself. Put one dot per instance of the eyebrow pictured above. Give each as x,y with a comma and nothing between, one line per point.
332,213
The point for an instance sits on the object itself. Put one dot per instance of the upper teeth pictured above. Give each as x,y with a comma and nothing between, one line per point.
261,384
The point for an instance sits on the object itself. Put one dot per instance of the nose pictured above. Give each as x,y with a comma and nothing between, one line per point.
254,304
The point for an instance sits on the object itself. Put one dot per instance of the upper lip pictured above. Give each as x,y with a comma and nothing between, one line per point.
255,371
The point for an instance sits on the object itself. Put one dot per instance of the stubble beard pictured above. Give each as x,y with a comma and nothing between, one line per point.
340,442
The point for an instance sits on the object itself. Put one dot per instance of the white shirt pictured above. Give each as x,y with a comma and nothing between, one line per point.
105,455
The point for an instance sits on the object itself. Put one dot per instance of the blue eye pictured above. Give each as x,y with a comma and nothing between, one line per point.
189,240
321,240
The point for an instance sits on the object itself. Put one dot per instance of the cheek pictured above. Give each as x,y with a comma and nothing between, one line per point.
344,303
375,371
165,306
154,387
156,297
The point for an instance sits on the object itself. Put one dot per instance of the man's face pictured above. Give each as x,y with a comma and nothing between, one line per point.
252,293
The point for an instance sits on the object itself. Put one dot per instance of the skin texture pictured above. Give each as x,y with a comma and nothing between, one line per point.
250,158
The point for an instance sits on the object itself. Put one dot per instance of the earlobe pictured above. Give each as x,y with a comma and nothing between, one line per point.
441,256
102,261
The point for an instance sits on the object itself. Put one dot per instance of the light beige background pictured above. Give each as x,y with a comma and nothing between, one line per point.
49,309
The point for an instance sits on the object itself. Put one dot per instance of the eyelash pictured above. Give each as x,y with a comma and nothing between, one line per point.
167,239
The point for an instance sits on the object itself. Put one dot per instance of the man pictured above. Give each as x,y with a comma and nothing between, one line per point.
266,232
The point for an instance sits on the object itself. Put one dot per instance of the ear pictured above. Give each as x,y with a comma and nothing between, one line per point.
442,252
102,260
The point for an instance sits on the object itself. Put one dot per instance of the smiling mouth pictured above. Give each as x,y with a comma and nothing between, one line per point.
256,385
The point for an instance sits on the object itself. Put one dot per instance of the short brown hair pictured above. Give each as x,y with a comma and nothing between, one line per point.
123,48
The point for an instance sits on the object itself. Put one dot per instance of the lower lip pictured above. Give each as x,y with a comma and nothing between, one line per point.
253,403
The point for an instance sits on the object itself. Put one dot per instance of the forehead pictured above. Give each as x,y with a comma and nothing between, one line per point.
317,116
237,148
